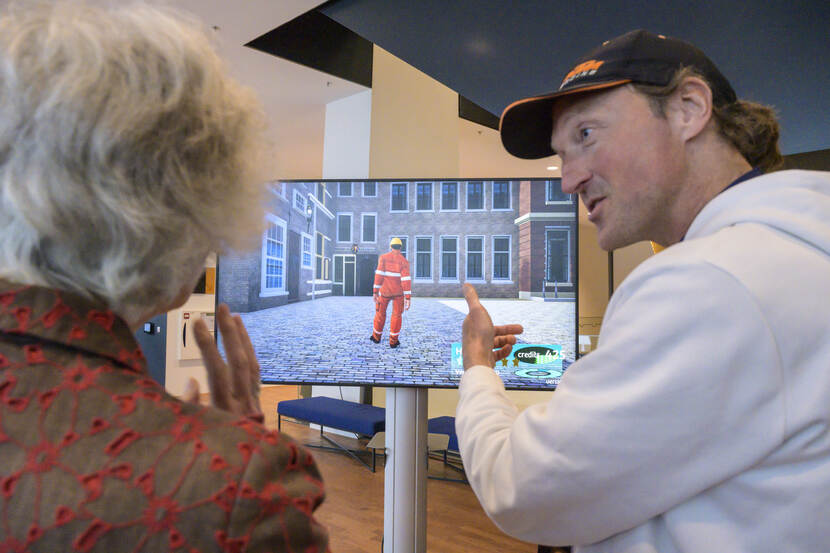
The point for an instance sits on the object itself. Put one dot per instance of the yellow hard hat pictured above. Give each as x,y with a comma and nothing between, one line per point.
396,242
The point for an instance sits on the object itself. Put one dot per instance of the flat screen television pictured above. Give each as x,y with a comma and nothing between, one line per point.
306,299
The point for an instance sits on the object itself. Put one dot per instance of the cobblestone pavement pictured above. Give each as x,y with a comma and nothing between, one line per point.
327,340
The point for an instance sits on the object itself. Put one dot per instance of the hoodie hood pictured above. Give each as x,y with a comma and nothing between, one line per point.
793,202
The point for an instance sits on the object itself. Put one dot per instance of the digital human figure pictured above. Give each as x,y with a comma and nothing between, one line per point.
392,283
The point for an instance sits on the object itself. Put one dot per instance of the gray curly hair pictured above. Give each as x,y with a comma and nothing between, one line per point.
126,153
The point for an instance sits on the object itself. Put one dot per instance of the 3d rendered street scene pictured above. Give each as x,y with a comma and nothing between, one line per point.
327,340
306,295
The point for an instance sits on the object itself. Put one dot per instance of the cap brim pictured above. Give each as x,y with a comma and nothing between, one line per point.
526,125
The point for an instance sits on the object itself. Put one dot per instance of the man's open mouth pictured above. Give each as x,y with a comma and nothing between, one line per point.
593,203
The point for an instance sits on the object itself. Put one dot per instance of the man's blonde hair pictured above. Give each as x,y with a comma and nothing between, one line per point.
751,127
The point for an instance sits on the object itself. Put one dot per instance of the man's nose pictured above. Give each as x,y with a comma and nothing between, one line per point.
574,177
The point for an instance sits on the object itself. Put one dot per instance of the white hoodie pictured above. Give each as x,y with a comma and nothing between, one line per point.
702,420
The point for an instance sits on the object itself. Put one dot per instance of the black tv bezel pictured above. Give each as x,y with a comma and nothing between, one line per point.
452,179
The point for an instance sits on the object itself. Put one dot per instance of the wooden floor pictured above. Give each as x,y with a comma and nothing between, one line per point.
353,510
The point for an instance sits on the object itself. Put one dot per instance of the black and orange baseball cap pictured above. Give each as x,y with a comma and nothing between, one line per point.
635,57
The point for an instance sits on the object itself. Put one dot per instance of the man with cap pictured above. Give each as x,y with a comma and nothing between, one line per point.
392,283
701,422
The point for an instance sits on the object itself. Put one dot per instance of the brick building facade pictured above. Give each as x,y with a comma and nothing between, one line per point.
547,240
511,238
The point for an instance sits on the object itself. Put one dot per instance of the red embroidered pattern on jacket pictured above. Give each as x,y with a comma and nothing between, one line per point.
105,460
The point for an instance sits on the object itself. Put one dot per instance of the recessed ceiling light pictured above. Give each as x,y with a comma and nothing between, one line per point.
553,168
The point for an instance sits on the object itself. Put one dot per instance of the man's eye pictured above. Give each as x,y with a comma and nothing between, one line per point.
585,133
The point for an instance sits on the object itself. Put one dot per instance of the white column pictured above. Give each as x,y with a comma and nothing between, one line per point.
405,478
346,142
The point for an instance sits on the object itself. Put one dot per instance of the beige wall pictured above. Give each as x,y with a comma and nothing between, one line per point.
593,276
414,122
299,154
626,260
348,137
481,155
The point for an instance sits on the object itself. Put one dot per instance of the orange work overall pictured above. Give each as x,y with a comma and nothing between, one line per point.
392,283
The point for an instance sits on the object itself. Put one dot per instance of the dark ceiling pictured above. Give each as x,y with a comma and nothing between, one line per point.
494,52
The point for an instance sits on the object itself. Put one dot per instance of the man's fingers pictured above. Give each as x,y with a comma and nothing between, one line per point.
508,329
503,352
217,371
500,341
476,332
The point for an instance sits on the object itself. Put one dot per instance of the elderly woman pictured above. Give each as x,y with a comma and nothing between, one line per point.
126,156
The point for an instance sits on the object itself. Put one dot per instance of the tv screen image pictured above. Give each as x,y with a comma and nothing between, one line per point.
306,296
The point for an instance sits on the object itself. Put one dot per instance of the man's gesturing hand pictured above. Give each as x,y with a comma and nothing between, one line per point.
234,386
480,337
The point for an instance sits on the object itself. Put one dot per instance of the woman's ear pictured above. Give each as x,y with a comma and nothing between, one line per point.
691,107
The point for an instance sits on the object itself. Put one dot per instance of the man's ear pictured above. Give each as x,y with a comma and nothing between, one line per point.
691,107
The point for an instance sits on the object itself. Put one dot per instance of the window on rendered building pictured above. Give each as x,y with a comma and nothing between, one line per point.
557,262
475,196
273,255
423,258
399,194
449,258
501,258
501,195
449,196
475,258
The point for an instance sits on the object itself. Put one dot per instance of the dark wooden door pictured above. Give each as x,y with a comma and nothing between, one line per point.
366,266
349,275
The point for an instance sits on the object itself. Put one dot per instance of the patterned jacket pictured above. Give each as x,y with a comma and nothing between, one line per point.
96,457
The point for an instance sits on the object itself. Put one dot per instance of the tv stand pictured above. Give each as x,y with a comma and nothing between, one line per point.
405,477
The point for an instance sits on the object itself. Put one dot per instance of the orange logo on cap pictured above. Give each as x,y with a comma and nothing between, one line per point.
585,68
